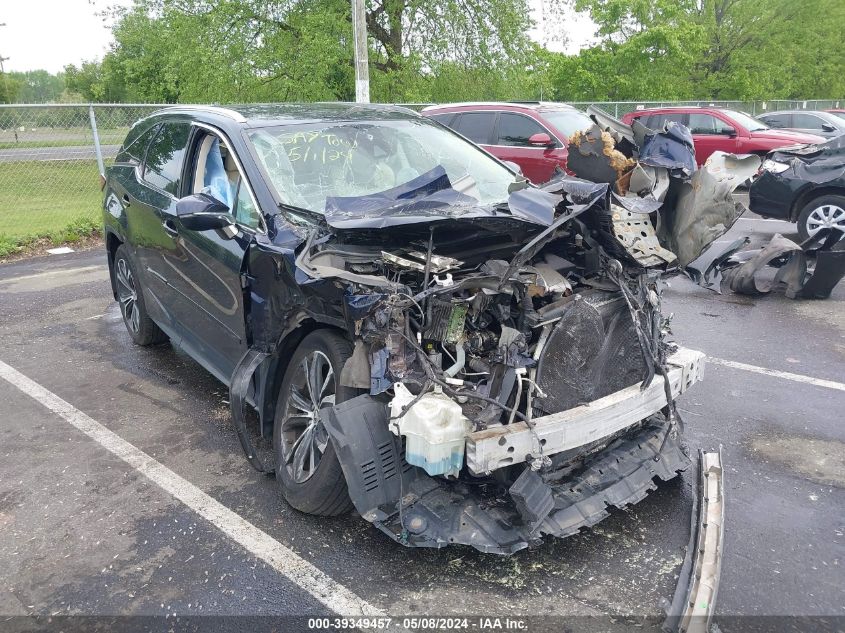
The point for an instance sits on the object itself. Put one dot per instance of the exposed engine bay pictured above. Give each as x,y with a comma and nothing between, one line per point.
516,372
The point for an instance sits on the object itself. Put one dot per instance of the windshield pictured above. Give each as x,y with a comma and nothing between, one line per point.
746,120
308,163
568,121
841,115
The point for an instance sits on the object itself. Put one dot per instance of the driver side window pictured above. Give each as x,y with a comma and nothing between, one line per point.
216,173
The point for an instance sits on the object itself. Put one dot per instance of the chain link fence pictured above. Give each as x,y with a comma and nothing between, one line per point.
49,164
49,170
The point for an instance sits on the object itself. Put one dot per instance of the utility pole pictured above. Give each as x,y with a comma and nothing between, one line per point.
362,70
3,73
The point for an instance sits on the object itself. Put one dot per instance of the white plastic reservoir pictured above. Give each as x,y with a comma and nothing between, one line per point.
435,430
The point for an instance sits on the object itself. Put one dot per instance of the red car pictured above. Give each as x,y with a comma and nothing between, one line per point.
532,135
719,129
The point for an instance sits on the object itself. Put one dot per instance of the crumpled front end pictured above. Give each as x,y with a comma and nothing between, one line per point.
515,367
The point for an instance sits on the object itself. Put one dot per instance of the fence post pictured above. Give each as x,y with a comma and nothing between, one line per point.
97,149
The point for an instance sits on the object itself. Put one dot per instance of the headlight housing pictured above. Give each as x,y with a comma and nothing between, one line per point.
773,166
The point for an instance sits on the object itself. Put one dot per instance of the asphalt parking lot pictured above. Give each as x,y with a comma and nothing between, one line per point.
181,525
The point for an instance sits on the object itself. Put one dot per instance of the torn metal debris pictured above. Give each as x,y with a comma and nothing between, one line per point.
694,601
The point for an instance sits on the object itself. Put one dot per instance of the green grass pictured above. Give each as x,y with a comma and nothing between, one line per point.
57,200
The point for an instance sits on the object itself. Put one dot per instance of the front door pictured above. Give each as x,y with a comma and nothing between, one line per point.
511,143
207,270
710,134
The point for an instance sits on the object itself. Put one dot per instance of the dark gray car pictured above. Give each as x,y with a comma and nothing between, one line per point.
810,121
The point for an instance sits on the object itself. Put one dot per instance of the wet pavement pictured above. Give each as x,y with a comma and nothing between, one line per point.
83,532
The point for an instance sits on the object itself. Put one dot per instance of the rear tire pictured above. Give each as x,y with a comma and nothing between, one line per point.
130,297
307,467
823,212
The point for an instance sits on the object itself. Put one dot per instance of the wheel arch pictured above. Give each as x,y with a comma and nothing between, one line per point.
809,195
113,242
272,371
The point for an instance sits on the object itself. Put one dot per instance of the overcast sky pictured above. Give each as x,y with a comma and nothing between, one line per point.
50,34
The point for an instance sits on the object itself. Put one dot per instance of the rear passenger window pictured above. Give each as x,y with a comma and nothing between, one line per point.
476,126
135,145
516,129
657,121
777,121
445,119
163,165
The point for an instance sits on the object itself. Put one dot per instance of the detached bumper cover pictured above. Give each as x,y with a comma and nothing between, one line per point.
436,512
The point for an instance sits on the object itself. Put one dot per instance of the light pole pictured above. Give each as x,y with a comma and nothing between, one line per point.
362,70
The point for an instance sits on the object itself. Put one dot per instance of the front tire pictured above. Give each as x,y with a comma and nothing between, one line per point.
142,329
823,212
307,467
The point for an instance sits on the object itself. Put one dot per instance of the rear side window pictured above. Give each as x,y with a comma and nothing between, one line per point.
778,121
516,129
657,121
163,165
476,126
135,145
806,121
445,119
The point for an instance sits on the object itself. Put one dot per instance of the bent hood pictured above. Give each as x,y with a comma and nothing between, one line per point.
432,197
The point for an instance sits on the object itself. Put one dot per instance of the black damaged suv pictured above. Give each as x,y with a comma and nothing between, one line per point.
461,356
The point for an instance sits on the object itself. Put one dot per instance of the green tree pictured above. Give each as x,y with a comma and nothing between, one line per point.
259,50
703,49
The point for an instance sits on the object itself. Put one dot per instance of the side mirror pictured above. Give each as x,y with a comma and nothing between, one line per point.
202,212
827,127
512,166
729,131
540,139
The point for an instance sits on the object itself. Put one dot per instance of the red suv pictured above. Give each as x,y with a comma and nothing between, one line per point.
532,135
719,129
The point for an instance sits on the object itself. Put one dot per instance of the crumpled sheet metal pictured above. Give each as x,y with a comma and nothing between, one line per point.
818,163
745,278
593,156
672,148
705,208
742,271
706,270
636,234
436,512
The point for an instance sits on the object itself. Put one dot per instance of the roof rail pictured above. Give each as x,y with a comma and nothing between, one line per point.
232,114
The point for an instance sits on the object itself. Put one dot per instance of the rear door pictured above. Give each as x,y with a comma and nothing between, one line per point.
477,127
150,208
206,268
777,121
511,143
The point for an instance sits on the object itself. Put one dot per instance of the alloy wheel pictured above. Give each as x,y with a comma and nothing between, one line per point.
826,216
304,438
127,296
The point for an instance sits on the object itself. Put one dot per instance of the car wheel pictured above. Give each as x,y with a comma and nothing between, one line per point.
823,212
142,329
307,467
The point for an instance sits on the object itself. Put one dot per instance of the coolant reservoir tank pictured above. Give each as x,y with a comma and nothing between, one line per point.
435,430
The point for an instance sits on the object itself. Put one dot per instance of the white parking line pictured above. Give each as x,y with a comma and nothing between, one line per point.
819,382
333,595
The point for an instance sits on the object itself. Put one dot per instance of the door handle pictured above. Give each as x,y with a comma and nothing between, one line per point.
169,227
126,201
